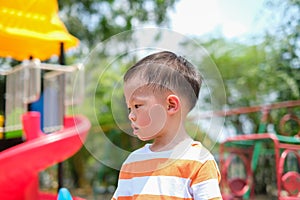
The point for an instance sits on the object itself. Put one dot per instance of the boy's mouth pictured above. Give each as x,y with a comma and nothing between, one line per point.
134,128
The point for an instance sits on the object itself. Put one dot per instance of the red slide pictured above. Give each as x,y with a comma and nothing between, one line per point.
20,165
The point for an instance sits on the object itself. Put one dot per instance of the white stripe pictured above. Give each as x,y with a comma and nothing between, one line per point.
206,190
137,156
200,154
154,185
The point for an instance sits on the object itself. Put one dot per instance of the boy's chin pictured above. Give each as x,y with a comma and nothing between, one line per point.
142,138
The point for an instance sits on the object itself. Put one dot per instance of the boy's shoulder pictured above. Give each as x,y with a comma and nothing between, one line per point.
140,154
198,152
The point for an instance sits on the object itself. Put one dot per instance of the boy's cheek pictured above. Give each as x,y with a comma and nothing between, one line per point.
158,117
144,121
155,118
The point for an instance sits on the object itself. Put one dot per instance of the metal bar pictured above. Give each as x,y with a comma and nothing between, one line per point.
60,172
245,110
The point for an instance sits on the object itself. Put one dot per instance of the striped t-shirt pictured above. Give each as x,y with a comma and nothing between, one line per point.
187,172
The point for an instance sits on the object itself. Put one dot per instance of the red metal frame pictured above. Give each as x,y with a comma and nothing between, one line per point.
238,186
288,181
291,179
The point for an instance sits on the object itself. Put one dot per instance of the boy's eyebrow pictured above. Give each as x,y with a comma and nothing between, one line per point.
136,98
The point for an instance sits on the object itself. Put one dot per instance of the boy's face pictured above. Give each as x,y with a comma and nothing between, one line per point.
147,111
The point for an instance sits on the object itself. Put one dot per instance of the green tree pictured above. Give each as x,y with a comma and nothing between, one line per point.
260,74
255,75
93,21
282,43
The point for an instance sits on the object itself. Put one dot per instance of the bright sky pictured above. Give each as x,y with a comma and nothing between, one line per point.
232,18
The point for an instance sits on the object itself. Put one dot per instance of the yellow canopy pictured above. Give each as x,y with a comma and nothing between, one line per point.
32,28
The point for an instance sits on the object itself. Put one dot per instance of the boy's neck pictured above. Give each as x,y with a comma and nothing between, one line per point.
169,141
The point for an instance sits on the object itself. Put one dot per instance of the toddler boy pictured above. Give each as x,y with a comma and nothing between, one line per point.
160,90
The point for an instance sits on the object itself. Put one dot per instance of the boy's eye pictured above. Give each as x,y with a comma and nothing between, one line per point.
135,106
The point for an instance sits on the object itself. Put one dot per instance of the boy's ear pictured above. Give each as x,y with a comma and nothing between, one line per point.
173,104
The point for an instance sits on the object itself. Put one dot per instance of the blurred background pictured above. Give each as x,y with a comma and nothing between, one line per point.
254,45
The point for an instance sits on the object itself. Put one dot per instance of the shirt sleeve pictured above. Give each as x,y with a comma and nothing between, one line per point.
205,182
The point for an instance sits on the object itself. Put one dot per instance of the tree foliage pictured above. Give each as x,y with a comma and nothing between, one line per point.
282,43
264,72
260,74
93,21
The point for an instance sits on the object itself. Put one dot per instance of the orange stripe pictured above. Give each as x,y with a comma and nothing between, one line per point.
125,198
209,170
194,170
197,145
153,197
146,166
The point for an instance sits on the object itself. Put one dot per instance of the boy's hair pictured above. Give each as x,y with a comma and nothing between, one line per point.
167,71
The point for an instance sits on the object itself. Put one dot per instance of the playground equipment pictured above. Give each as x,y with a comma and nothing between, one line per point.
20,164
37,93
19,86
64,194
32,29
247,148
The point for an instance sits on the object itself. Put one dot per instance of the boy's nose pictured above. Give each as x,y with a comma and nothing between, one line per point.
131,116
